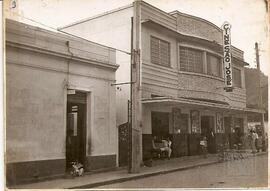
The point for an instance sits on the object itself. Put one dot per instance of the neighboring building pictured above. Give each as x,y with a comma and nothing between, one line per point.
182,76
252,88
60,105
253,96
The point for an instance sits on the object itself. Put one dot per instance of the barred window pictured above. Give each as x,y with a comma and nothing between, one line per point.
214,65
237,82
160,52
191,60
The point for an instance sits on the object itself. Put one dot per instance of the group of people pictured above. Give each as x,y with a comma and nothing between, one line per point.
256,141
161,146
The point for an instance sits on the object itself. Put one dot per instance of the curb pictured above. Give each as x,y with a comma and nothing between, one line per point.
139,176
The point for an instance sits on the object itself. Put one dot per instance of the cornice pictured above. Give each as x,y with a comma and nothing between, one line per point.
64,55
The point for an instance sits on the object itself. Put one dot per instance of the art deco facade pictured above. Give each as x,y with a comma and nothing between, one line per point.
182,76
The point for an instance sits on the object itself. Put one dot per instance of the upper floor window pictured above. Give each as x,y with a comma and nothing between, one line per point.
160,52
237,82
214,65
191,60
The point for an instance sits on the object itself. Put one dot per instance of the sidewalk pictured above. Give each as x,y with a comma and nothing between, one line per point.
104,178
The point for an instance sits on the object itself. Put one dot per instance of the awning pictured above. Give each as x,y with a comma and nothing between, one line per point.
198,103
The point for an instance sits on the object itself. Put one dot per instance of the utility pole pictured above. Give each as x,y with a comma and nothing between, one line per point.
136,119
260,92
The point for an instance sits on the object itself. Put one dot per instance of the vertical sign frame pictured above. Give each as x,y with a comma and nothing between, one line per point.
227,57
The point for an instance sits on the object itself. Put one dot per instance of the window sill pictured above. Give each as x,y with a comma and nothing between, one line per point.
160,65
202,75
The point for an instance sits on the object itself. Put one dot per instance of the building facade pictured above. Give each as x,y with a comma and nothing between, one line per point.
60,105
181,75
257,96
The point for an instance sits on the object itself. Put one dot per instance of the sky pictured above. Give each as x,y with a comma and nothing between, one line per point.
249,18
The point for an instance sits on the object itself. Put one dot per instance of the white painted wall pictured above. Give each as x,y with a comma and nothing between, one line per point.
36,94
114,30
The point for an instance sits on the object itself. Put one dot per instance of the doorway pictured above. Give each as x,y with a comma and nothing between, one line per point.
160,124
76,128
207,129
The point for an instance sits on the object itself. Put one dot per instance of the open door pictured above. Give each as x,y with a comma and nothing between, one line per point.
160,124
76,128
207,129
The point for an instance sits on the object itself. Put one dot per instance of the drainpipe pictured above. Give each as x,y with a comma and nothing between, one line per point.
68,62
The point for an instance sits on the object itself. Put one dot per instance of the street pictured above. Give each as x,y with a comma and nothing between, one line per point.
249,172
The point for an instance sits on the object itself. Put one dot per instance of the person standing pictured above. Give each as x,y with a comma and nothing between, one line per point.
259,144
254,136
203,145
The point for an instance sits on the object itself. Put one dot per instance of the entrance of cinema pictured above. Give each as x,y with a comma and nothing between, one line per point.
160,124
207,129
76,128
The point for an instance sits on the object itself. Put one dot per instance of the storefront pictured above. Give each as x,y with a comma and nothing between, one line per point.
186,122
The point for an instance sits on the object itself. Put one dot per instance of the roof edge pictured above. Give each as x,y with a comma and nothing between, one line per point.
195,17
95,16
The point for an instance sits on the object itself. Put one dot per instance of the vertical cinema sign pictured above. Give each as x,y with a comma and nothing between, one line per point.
227,58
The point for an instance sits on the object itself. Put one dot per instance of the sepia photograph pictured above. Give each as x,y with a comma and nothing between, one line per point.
135,94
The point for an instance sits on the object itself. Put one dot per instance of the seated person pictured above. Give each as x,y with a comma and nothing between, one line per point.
167,147
155,148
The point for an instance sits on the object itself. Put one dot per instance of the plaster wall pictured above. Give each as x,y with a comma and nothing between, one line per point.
36,108
113,30
37,79
35,126
194,26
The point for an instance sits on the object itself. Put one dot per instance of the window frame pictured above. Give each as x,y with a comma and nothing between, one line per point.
159,50
208,54
195,50
205,51
233,76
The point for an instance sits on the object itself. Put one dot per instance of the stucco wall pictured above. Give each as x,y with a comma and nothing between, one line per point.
37,80
35,114
114,30
198,27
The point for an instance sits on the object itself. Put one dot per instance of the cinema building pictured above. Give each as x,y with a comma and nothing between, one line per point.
60,105
182,76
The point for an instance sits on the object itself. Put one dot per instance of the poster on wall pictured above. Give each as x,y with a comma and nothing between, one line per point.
195,121
176,120
219,124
